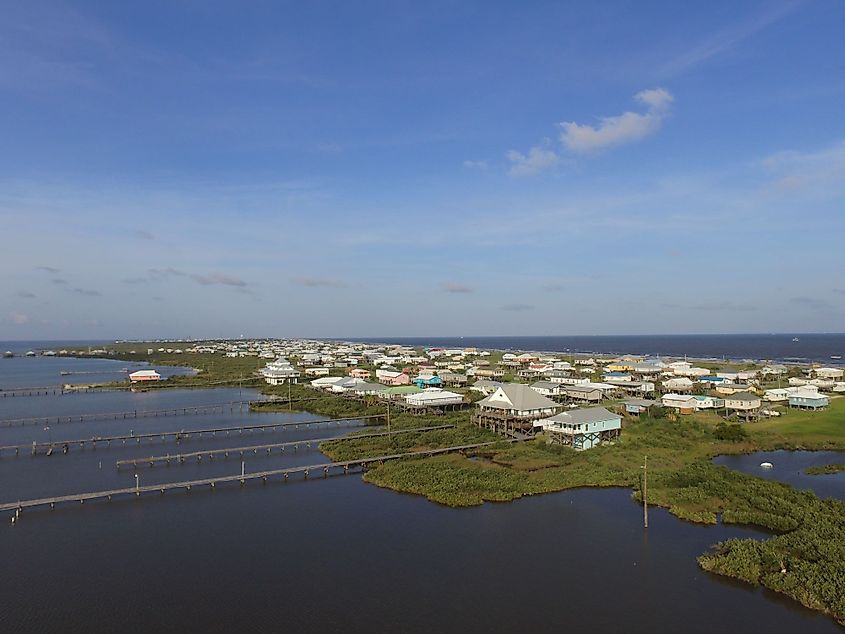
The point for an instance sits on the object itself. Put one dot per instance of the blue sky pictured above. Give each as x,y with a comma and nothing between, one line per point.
401,168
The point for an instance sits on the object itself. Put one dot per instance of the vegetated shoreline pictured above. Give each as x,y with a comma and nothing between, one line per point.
827,469
803,560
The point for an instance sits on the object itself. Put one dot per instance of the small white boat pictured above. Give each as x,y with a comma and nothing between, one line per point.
795,339
766,465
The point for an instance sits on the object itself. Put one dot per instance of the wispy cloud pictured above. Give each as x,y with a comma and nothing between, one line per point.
19,319
518,307
475,165
553,288
209,279
328,148
26,295
724,306
48,269
821,173
59,281
143,234
218,278
318,282
727,39
454,287
87,292
814,304
537,159
620,129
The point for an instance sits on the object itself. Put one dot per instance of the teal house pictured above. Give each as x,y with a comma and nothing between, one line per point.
581,428
428,381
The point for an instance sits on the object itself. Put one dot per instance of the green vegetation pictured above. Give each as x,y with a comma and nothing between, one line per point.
826,469
726,431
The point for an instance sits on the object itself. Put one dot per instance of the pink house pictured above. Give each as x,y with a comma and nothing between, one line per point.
359,373
400,379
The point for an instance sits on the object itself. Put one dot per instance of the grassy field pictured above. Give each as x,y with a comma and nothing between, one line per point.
806,429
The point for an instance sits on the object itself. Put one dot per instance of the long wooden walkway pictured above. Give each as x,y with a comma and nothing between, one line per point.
193,410
308,442
179,435
47,390
325,468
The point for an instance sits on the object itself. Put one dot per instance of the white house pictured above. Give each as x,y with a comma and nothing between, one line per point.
684,403
280,371
144,375
434,397
514,399
829,373
678,384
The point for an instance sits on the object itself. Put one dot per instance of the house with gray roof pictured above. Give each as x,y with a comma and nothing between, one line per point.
581,428
512,407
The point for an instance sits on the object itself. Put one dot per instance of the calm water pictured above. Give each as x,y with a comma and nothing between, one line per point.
789,468
338,554
19,372
818,347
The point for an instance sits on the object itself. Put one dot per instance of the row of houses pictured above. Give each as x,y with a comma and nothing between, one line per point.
414,397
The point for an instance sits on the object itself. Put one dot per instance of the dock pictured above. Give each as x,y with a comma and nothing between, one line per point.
308,443
209,408
325,469
181,434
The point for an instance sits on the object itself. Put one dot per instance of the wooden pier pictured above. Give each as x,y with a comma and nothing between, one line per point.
49,390
210,408
240,451
179,435
325,469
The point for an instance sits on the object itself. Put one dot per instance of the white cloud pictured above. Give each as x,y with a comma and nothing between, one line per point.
19,319
624,128
478,165
537,160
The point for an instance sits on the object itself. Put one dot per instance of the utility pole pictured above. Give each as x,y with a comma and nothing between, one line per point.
645,492
290,404
388,417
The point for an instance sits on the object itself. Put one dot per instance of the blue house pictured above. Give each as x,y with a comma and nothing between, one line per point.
428,381
582,428
713,380
808,400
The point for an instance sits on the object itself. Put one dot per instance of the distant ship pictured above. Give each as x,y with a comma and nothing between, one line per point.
8,354
795,339
836,357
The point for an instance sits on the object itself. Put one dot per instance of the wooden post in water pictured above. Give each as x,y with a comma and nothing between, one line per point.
645,492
